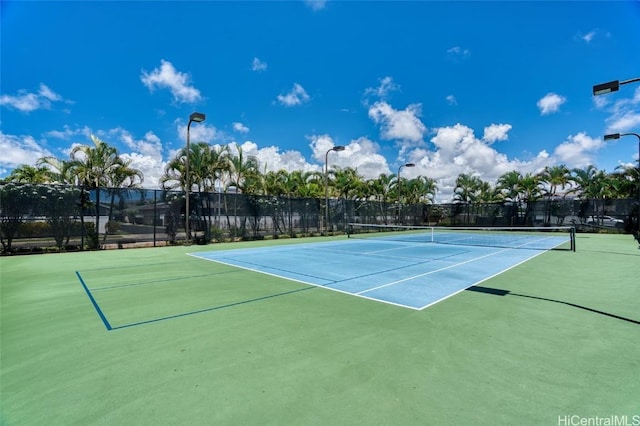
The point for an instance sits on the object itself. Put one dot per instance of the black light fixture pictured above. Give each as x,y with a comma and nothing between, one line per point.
613,136
601,89
336,148
196,117
400,168
611,86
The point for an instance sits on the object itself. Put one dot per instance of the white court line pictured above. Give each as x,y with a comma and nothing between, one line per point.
362,294
478,282
431,272
401,246
305,282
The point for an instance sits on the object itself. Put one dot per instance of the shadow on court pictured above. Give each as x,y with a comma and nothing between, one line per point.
501,292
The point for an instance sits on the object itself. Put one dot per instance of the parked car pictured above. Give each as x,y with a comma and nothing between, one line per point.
607,221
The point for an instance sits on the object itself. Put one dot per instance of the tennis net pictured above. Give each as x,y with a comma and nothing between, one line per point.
535,238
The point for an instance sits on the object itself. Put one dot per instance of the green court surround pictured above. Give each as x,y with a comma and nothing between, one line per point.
556,336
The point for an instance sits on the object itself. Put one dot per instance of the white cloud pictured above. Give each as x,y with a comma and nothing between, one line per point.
625,114
145,154
258,65
167,77
296,96
68,133
550,103
361,154
458,150
457,54
578,150
47,93
201,133
17,150
316,5
402,125
623,122
451,100
26,102
152,168
457,50
589,36
592,35
600,102
496,132
240,128
386,86
150,145
271,159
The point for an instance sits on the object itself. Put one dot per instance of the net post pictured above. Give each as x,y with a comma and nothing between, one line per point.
572,231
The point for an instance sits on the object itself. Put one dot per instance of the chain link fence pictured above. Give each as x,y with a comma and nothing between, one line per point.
56,218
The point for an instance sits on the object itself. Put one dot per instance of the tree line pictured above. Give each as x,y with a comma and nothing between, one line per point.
215,168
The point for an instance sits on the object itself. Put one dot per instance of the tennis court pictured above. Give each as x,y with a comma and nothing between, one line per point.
393,267
248,333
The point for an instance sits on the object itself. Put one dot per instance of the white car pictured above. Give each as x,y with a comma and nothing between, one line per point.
608,221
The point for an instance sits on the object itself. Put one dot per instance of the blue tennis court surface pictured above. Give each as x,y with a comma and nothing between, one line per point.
411,275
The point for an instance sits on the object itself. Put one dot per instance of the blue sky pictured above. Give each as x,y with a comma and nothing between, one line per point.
455,87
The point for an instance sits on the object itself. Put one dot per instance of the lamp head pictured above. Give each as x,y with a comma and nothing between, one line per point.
198,117
338,148
612,136
601,89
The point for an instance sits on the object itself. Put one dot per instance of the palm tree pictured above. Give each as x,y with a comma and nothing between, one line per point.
421,189
554,177
487,193
466,191
310,185
627,181
217,165
381,188
529,191
207,165
59,171
309,189
418,190
588,182
275,186
95,166
290,182
345,182
174,174
508,186
29,174
627,178
123,178
239,167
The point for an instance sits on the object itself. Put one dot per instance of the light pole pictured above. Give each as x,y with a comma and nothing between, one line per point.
198,118
614,86
613,136
399,192
326,185
611,86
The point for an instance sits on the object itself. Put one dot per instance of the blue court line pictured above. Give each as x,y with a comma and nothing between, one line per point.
132,266
259,266
214,308
164,280
95,304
